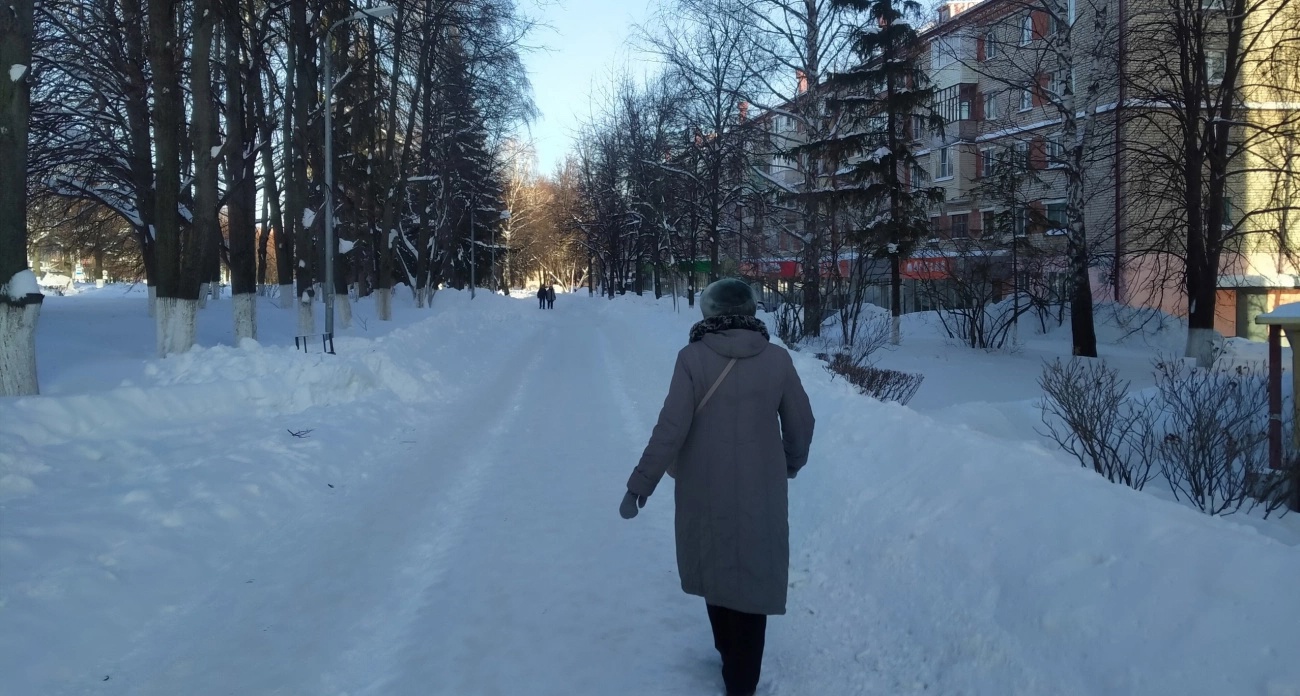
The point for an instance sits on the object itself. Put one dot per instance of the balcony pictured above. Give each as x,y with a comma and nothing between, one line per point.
958,105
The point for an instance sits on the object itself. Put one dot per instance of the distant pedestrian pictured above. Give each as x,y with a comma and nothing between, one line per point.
550,297
718,435
541,297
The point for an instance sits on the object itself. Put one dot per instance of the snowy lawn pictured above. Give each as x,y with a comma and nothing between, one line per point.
449,524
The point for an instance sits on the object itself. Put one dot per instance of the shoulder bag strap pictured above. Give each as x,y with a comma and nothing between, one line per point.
716,382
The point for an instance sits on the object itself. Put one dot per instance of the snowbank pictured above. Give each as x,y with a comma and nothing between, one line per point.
142,522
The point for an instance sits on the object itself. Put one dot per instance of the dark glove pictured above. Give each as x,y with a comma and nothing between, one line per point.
791,472
631,502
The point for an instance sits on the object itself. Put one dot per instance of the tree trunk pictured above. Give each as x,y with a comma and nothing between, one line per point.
286,231
241,201
206,225
304,97
141,144
20,298
176,247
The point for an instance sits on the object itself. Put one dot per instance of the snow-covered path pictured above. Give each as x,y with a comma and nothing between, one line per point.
492,567
450,527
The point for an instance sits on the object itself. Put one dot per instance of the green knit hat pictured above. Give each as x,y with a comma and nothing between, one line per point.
728,296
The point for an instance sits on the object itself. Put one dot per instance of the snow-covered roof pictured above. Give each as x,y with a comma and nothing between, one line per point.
1284,314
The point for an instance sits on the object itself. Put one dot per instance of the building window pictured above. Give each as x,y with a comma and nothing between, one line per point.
1216,63
1056,82
988,222
918,126
987,164
1055,151
942,53
990,105
1020,221
1021,159
990,44
1227,213
1070,10
918,176
945,163
1055,214
1026,99
1027,30
959,226
1216,5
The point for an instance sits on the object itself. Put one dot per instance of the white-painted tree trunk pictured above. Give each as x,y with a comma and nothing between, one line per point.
203,295
177,323
245,316
344,307
18,349
306,319
1203,345
153,301
384,304
288,298
895,330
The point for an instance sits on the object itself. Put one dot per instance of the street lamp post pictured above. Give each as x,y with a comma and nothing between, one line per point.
372,13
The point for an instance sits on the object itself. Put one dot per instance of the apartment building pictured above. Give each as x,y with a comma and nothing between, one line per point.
999,78
1007,75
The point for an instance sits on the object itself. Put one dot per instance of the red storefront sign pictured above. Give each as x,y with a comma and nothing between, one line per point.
927,268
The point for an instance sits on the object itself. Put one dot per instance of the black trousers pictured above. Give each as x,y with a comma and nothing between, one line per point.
739,639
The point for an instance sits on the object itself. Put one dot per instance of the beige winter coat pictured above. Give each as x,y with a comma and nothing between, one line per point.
732,528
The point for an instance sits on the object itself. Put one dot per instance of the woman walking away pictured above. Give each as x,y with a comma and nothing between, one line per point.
550,297
718,436
541,297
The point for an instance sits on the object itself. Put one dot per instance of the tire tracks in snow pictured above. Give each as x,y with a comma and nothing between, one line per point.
363,569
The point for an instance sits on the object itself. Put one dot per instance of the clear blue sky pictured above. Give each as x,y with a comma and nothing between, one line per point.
585,44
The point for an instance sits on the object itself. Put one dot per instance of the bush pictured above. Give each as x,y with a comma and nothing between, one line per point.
886,385
1088,413
1204,431
789,323
1212,428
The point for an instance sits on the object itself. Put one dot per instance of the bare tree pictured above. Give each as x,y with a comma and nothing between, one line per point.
1214,141
714,66
1057,60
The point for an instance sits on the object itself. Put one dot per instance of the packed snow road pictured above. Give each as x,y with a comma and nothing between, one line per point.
449,527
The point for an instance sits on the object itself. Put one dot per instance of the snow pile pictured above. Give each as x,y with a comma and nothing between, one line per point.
1005,569
58,283
22,284
257,520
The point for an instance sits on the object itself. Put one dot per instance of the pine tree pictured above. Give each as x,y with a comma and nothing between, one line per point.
867,156
473,181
